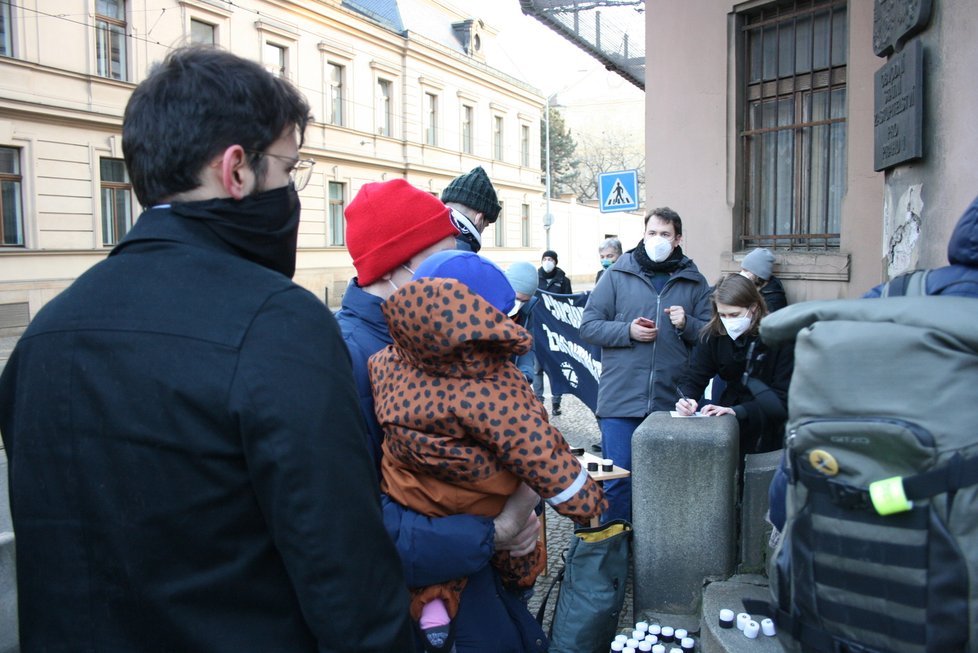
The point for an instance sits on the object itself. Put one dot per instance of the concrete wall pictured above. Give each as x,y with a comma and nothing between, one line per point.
576,233
945,181
686,124
692,143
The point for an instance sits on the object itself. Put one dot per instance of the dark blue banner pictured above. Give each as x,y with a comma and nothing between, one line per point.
572,365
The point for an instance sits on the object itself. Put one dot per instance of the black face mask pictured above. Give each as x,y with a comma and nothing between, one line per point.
468,239
263,228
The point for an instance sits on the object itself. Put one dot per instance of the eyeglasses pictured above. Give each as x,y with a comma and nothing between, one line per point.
301,171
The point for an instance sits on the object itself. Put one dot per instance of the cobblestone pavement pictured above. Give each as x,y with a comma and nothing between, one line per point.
580,429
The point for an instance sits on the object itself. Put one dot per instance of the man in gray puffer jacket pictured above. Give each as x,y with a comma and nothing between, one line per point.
646,314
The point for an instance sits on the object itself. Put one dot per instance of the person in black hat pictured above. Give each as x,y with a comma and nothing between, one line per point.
474,205
553,280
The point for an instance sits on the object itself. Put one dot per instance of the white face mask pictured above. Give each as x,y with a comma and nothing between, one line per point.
736,326
516,308
658,248
548,266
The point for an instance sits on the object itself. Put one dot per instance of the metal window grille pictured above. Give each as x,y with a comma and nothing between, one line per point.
794,127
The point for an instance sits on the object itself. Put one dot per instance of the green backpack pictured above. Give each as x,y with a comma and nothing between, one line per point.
879,552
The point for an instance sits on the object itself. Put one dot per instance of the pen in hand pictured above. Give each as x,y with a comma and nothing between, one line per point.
681,395
683,399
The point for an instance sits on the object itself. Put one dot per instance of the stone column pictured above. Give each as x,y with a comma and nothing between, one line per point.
684,488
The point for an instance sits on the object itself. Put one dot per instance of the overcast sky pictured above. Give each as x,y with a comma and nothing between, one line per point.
529,50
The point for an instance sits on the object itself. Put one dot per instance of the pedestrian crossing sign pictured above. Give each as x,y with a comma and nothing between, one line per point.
618,191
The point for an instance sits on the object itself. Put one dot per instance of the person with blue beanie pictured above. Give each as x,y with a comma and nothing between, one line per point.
463,431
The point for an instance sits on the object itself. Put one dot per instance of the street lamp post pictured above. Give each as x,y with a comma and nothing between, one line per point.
548,218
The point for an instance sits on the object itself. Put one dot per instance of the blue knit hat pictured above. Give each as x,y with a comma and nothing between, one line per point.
523,277
482,276
761,262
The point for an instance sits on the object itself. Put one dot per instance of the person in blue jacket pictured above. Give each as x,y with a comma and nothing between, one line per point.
187,468
957,279
391,228
523,278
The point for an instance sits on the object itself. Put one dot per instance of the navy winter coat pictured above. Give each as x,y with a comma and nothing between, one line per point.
491,619
187,469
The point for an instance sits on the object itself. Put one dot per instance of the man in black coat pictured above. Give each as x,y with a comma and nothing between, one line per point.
188,469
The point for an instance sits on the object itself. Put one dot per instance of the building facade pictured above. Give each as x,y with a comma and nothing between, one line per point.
767,129
398,89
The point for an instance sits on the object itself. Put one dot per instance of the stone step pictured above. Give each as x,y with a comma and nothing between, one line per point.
730,594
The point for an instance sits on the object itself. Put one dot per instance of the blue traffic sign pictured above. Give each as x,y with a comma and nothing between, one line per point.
618,191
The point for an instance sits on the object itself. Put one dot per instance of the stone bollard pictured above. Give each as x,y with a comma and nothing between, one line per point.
684,486
755,530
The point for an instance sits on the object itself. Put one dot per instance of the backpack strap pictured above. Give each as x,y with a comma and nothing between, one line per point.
911,284
556,582
958,473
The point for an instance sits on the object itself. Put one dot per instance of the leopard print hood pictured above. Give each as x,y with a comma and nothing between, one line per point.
443,327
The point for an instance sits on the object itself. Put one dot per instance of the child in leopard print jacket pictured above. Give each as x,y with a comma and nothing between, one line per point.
462,427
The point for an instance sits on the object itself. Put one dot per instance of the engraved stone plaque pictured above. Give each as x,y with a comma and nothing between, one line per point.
898,110
895,21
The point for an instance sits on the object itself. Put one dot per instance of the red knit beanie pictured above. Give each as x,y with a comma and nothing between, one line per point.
389,222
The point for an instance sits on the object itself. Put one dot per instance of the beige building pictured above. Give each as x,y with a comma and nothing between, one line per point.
402,93
763,130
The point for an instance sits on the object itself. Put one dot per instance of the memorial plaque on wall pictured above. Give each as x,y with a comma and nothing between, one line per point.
899,108
895,21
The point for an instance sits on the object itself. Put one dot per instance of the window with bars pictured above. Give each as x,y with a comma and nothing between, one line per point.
110,38
468,116
385,92
334,81
794,133
431,119
202,33
6,39
11,209
497,138
337,226
116,200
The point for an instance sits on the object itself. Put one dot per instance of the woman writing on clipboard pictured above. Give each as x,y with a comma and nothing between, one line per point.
756,375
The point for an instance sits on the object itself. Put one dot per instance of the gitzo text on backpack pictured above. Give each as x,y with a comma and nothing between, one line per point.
880,548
